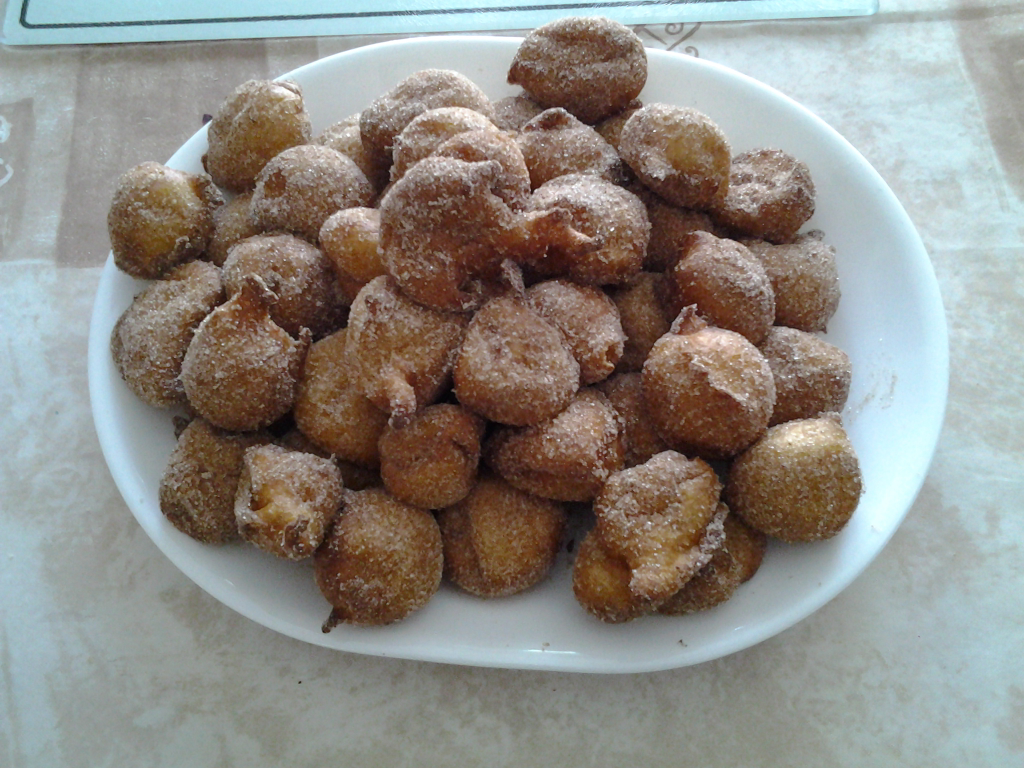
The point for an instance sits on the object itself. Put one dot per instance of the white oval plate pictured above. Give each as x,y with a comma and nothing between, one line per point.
890,321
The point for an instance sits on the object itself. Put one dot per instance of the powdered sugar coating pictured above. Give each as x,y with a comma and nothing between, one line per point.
591,66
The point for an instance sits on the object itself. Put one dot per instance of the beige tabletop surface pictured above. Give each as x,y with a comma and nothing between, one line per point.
109,656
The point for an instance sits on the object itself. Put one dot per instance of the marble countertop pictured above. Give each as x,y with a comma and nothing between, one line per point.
109,656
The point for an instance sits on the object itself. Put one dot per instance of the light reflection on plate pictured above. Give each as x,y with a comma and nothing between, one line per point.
890,321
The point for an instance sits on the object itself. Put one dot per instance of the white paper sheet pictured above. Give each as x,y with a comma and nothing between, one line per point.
57,22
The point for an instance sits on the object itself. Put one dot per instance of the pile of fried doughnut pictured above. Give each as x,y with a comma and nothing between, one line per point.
412,347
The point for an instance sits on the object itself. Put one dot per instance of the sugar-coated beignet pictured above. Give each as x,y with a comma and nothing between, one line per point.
732,564
613,217
800,482
771,195
344,136
197,490
679,153
555,143
429,130
812,376
670,227
611,128
514,367
380,562
588,320
298,273
150,339
401,352
258,121
568,457
231,224
300,188
242,369
805,279
159,218
600,582
286,499
512,184
350,238
656,517
513,112
500,541
709,390
432,460
389,113
727,284
331,409
591,66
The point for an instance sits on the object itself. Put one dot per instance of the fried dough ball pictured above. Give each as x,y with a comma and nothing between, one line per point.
613,217
643,316
805,279
555,143
299,189
727,284
812,376
771,195
241,370
445,233
332,411
640,438
231,224
389,114
160,218
800,482
670,227
514,366
709,390
500,541
149,340
428,130
380,562
197,490
588,320
401,352
600,582
732,564
656,517
568,457
513,112
512,184
299,275
350,238
678,152
591,66
286,499
431,461
344,136
258,121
